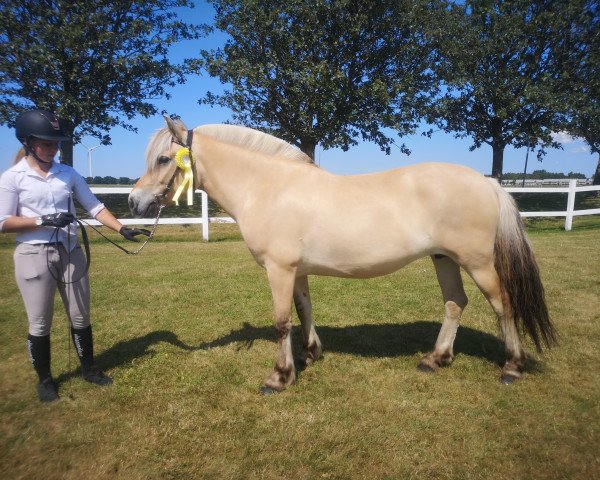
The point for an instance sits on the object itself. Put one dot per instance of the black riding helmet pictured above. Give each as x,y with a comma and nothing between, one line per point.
40,124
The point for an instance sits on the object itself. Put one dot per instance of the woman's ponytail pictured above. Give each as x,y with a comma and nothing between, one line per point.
20,154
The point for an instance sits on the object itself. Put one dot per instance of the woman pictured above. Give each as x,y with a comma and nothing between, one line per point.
36,203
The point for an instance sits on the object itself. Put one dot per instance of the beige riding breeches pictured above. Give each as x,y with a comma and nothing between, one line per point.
39,270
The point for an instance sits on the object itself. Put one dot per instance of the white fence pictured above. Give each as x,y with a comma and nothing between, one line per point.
570,212
549,182
205,220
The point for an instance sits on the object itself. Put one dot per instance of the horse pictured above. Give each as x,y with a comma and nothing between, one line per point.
298,219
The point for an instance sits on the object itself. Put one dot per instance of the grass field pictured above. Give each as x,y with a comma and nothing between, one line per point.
185,330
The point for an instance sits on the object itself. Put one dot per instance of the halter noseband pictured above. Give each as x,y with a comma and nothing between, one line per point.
190,137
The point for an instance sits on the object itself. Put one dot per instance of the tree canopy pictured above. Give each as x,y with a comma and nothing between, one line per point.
579,55
329,72
95,64
322,72
499,68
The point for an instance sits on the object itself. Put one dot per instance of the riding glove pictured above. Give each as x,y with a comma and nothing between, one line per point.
60,219
130,233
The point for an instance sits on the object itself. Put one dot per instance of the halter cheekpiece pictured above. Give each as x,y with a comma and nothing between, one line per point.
185,162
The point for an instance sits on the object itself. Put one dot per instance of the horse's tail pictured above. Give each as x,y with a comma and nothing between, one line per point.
520,282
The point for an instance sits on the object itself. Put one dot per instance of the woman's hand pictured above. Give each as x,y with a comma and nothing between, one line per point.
60,219
130,233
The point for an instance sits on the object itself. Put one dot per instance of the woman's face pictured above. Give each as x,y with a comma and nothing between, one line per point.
45,149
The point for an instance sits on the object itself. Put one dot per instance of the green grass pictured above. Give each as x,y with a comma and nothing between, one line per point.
185,330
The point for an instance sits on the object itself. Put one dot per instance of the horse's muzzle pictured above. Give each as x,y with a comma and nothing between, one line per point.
143,205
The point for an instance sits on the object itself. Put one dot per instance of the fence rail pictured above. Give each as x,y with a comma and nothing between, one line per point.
571,191
205,220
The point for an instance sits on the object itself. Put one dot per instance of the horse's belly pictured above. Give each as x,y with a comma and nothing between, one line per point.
352,261
352,271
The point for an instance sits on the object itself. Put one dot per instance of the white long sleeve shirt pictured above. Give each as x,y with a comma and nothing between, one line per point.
25,193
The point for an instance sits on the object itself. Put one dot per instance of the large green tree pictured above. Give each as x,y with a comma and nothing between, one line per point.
578,57
500,75
97,64
322,71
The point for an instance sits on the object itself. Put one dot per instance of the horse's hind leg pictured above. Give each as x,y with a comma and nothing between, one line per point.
311,345
455,300
488,282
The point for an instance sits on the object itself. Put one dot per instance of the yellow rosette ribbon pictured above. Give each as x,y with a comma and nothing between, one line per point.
182,157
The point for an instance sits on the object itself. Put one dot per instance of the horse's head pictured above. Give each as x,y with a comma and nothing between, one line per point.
164,170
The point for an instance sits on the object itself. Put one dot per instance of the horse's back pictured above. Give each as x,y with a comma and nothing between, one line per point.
426,197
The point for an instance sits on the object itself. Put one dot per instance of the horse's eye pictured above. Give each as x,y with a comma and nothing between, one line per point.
163,160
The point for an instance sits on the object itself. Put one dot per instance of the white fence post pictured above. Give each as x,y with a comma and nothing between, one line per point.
204,198
570,204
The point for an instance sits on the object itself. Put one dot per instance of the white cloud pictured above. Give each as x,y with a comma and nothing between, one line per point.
562,137
580,149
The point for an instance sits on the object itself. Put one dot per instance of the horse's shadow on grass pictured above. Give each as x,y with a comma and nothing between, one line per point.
368,340
380,341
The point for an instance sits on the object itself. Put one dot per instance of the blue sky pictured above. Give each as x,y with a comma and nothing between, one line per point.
125,156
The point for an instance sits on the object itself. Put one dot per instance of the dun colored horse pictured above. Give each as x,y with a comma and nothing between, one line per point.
299,220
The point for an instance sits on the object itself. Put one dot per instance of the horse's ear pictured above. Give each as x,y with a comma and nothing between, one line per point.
177,129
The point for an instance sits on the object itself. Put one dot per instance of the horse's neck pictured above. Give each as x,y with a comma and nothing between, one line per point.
231,175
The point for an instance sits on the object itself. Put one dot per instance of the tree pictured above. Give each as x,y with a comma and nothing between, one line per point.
500,77
579,52
321,72
95,64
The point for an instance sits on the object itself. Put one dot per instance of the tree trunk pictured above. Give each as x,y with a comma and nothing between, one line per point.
597,174
308,147
66,153
66,148
497,162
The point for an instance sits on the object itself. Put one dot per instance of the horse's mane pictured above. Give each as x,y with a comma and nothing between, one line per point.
231,134
254,140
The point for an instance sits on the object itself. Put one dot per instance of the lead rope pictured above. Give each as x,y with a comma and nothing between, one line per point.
128,252
68,282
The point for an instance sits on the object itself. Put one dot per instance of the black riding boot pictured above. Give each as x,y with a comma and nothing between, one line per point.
84,346
39,353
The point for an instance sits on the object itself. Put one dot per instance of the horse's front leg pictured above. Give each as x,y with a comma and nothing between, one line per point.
281,280
311,345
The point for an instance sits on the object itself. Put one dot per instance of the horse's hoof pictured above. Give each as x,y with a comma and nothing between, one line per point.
508,379
423,367
265,391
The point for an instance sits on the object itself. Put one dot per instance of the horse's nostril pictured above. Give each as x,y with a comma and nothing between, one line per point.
132,205
151,210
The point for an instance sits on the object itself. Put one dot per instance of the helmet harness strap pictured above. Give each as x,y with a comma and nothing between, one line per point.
29,151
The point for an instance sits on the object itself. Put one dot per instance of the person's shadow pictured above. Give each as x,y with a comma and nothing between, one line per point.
125,352
367,340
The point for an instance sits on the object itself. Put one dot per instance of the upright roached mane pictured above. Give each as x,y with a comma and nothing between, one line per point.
230,134
298,220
